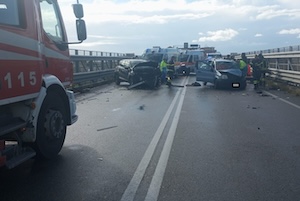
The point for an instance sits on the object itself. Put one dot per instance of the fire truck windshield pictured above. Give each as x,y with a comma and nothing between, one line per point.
9,12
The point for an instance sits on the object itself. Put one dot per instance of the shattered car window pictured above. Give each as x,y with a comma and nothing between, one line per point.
226,65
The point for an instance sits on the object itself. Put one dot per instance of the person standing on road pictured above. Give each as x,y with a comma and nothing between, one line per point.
171,67
163,68
243,63
263,68
256,71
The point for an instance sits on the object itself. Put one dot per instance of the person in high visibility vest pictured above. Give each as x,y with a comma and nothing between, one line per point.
243,63
163,68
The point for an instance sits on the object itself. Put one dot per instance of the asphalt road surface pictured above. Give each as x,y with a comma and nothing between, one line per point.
179,143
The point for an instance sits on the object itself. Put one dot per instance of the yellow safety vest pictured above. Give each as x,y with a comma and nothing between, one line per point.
162,65
242,64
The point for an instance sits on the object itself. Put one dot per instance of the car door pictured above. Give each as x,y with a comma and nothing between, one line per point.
205,72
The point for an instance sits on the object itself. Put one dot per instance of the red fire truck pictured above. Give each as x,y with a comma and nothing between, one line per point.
35,74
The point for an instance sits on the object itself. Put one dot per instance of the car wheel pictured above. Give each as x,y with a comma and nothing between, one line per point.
204,83
243,85
158,83
187,72
216,84
153,84
117,79
131,81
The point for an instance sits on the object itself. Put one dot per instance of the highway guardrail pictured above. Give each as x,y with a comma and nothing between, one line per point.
91,79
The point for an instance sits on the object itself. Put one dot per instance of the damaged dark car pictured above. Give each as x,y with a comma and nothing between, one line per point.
138,72
220,72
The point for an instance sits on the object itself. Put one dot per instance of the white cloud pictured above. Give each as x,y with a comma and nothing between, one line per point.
290,31
289,3
272,12
113,24
220,35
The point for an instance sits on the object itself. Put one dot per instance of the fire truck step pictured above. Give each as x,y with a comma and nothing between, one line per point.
12,125
17,160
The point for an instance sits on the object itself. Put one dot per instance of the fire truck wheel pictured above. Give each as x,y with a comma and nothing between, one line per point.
51,128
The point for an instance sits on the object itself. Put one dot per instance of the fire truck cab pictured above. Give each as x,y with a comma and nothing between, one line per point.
35,74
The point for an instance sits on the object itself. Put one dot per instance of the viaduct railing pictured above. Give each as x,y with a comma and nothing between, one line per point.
284,63
92,68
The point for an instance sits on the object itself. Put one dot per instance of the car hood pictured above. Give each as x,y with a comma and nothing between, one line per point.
148,64
236,72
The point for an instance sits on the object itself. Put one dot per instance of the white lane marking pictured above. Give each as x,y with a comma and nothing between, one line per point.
116,109
132,187
156,182
288,102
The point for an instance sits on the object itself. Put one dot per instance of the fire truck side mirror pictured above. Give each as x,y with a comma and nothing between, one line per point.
78,10
81,29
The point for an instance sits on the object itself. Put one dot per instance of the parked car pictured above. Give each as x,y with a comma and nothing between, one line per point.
220,72
134,71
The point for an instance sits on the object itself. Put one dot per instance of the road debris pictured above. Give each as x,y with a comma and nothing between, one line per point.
135,85
253,107
142,107
102,129
195,84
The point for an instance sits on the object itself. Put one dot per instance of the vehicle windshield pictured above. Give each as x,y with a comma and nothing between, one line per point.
225,65
135,62
183,58
214,56
153,57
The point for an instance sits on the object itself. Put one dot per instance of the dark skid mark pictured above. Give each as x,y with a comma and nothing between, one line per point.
195,84
101,129
142,107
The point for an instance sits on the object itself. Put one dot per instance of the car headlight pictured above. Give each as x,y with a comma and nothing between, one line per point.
224,77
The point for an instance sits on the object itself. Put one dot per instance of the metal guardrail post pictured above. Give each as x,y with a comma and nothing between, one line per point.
102,62
76,62
110,61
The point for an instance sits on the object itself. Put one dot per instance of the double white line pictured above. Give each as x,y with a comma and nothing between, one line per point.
154,188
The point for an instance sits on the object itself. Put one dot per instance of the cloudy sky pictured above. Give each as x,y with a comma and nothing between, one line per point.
228,25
